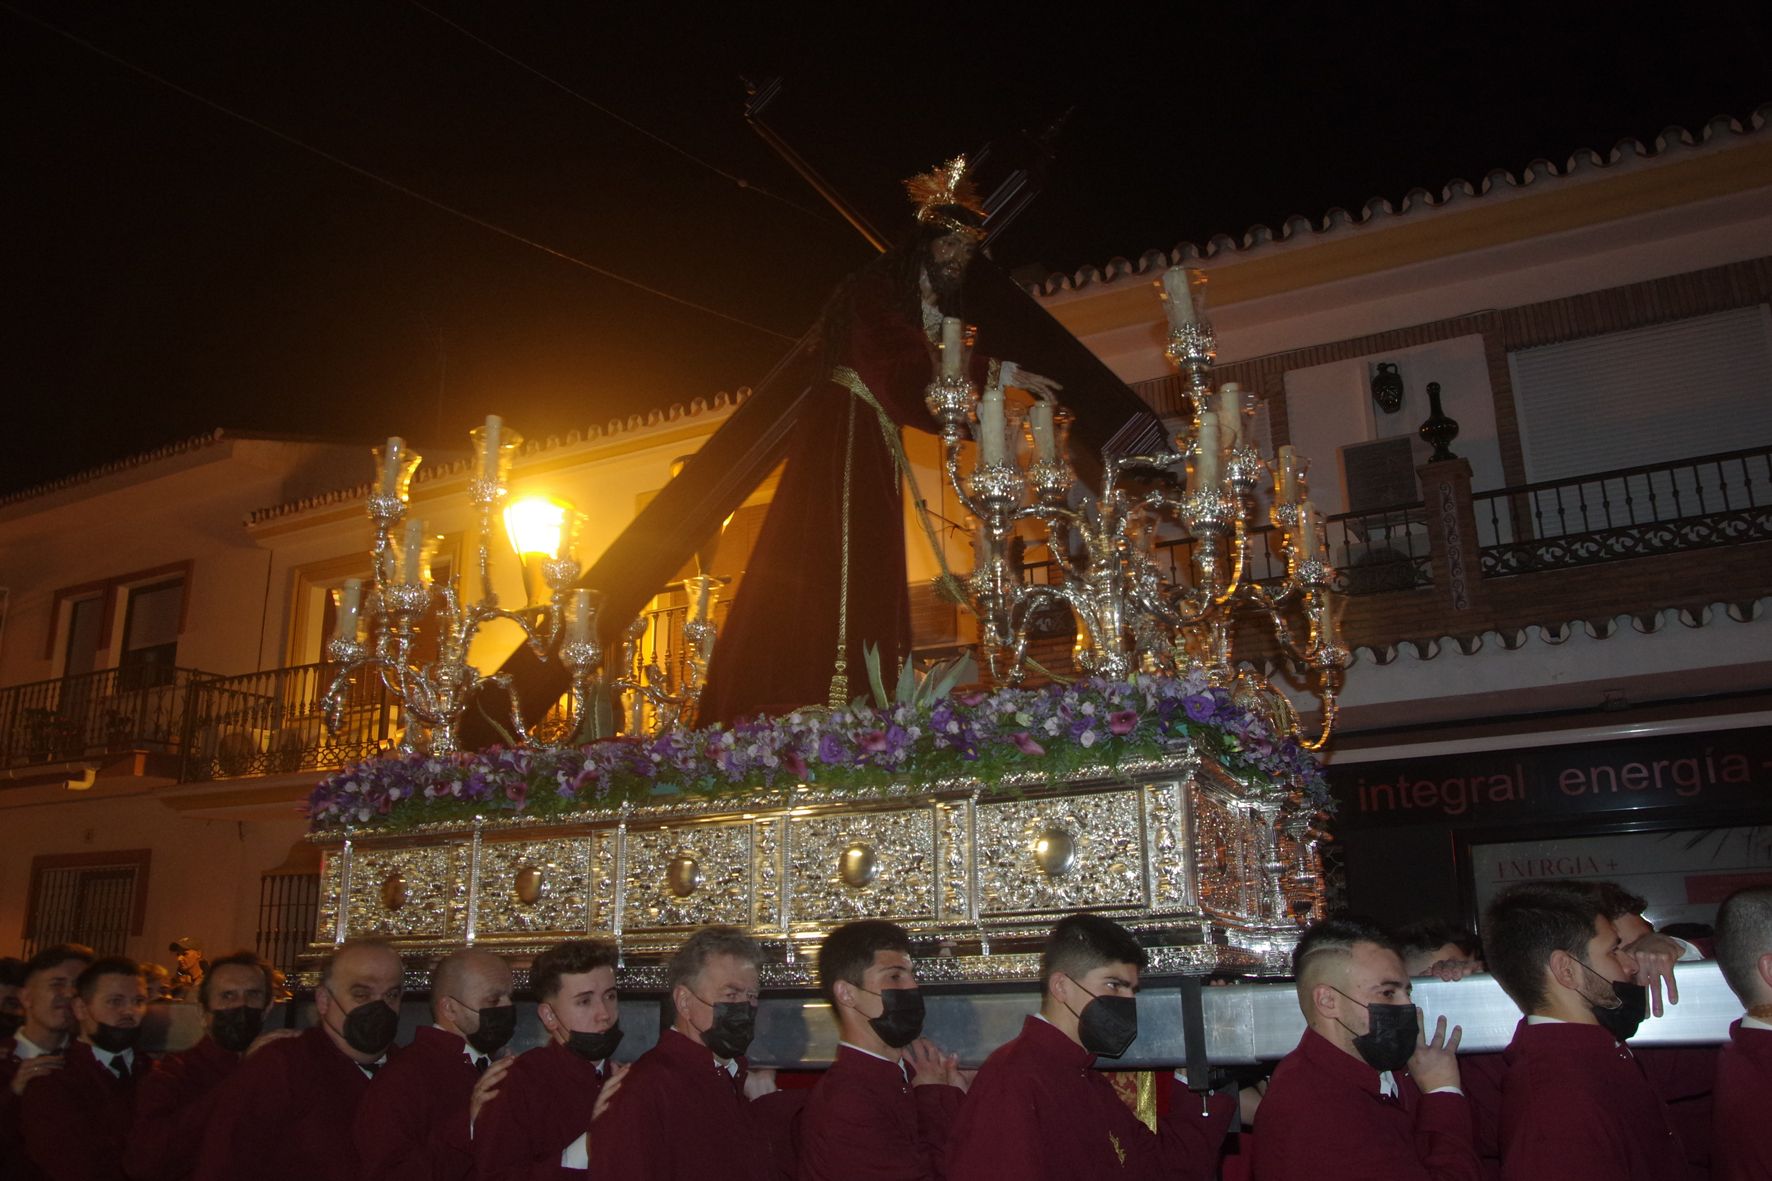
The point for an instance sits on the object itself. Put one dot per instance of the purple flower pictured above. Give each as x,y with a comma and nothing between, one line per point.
1025,742
1123,721
1199,708
871,741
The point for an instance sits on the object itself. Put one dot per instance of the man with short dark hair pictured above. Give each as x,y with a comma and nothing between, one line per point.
1574,1100
76,1120
46,1000
1434,947
174,1103
681,1110
534,1122
1037,1108
414,1122
1741,1145
1364,1096
883,1109
295,1102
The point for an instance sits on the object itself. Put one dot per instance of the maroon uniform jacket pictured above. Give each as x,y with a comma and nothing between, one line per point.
287,1112
76,1120
1324,1116
1575,1104
1038,1109
12,1137
1741,1140
1480,1074
413,1122
865,1122
679,1115
543,1104
172,1107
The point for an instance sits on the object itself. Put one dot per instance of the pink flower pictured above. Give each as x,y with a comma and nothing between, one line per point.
1026,743
871,741
1123,721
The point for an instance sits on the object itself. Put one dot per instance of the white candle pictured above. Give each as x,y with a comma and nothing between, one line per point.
1178,302
1040,424
953,348
1307,531
1287,474
409,566
1230,413
1206,461
347,603
990,425
489,445
578,617
392,456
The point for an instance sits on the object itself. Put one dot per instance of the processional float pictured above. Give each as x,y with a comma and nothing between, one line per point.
1170,788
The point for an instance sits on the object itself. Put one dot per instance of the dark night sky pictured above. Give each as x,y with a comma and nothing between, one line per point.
170,269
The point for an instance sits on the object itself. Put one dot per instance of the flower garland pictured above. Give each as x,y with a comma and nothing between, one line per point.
1054,729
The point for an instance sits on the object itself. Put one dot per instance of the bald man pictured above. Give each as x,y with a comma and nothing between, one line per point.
295,1102
414,1122
1364,1096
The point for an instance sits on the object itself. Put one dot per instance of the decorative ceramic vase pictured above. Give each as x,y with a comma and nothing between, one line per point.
1387,387
1438,429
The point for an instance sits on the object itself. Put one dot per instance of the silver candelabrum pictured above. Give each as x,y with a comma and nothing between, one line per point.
1129,615
653,697
379,625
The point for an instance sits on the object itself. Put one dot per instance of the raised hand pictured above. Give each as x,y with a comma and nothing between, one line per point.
930,1066
1435,1063
611,1085
1655,956
487,1087
32,1068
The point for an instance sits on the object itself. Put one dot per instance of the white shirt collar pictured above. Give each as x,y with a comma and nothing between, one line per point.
1387,1084
26,1049
898,1062
106,1058
1540,1019
1756,1023
468,1051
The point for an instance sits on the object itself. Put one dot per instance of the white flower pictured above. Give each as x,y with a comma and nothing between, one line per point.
1087,738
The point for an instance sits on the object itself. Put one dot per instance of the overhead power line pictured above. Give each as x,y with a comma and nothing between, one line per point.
736,180
396,186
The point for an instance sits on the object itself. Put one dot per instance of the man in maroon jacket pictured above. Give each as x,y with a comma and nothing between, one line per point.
534,1124
76,1119
682,1111
1741,1142
882,1111
1037,1108
290,1108
1574,1100
173,1104
1342,1105
36,1051
413,1124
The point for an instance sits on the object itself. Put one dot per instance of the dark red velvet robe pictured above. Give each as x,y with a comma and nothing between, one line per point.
1324,1117
778,646
413,1122
1038,1110
864,1121
12,1138
543,1104
1481,1076
76,1120
1741,1139
294,1103
172,1107
679,1115
1575,1104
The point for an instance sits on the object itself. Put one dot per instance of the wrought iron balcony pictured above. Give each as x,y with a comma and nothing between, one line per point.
96,714
271,722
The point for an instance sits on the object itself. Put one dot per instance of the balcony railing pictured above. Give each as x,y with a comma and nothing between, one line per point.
1373,550
1662,508
96,714
273,721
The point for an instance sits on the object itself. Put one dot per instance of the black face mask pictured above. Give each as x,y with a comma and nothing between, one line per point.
370,1028
114,1039
1622,1019
594,1047
1108,1024
11,1023
1390,1037
497,1024
735,1023
234,1029
901,1020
